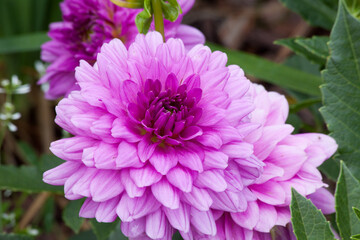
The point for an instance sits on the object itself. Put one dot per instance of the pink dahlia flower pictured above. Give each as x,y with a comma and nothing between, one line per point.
85,27
289,161
155,127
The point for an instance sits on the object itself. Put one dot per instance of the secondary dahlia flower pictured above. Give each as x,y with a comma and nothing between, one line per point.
154,128
289,161
85,27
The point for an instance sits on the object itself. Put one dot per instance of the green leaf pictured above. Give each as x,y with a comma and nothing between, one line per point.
22,43
341,90
355,237
320,13
71,215
354,7
303,104
357,212
86,235
15,237
49,214
25,179
28,153
170,12
308,221
331,168
129,3
314,49
347,196
143,22
271,72
117,234
103,230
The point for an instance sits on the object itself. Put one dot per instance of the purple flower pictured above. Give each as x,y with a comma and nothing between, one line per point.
85,27
290,161
159,138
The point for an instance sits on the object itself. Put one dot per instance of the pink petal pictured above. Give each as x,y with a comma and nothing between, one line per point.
82,187
249,218
191,159
215,159
229,201
146,149
134,228
203,221
106,185
179,218
106,212
145,176
268,217
323,200
59,174
270,192
129,209
211,179
180,178
127,156
166,194
238,150
198,198
155,224
283,215
163,161
131,188
89,208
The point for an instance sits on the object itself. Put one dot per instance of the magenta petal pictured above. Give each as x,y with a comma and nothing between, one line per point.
106,212
179,218
249,218
268,217
131,188
229,201
215,159
164,161
82,187
270,192
129,91
180,178
283,216
238,150
190,160
146,149
198,198
58,175
70,182
211,179
119,130
203,221
166,194
191,132
88,209
155,224
134,228
127,156
323,200
171,82
145,176
129,209
106,185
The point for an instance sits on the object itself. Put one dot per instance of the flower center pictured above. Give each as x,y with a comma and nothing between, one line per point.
167,114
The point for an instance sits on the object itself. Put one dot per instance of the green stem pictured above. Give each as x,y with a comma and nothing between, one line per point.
158,17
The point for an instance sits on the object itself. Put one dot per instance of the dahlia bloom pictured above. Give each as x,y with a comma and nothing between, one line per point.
85,27
289,161
154,128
